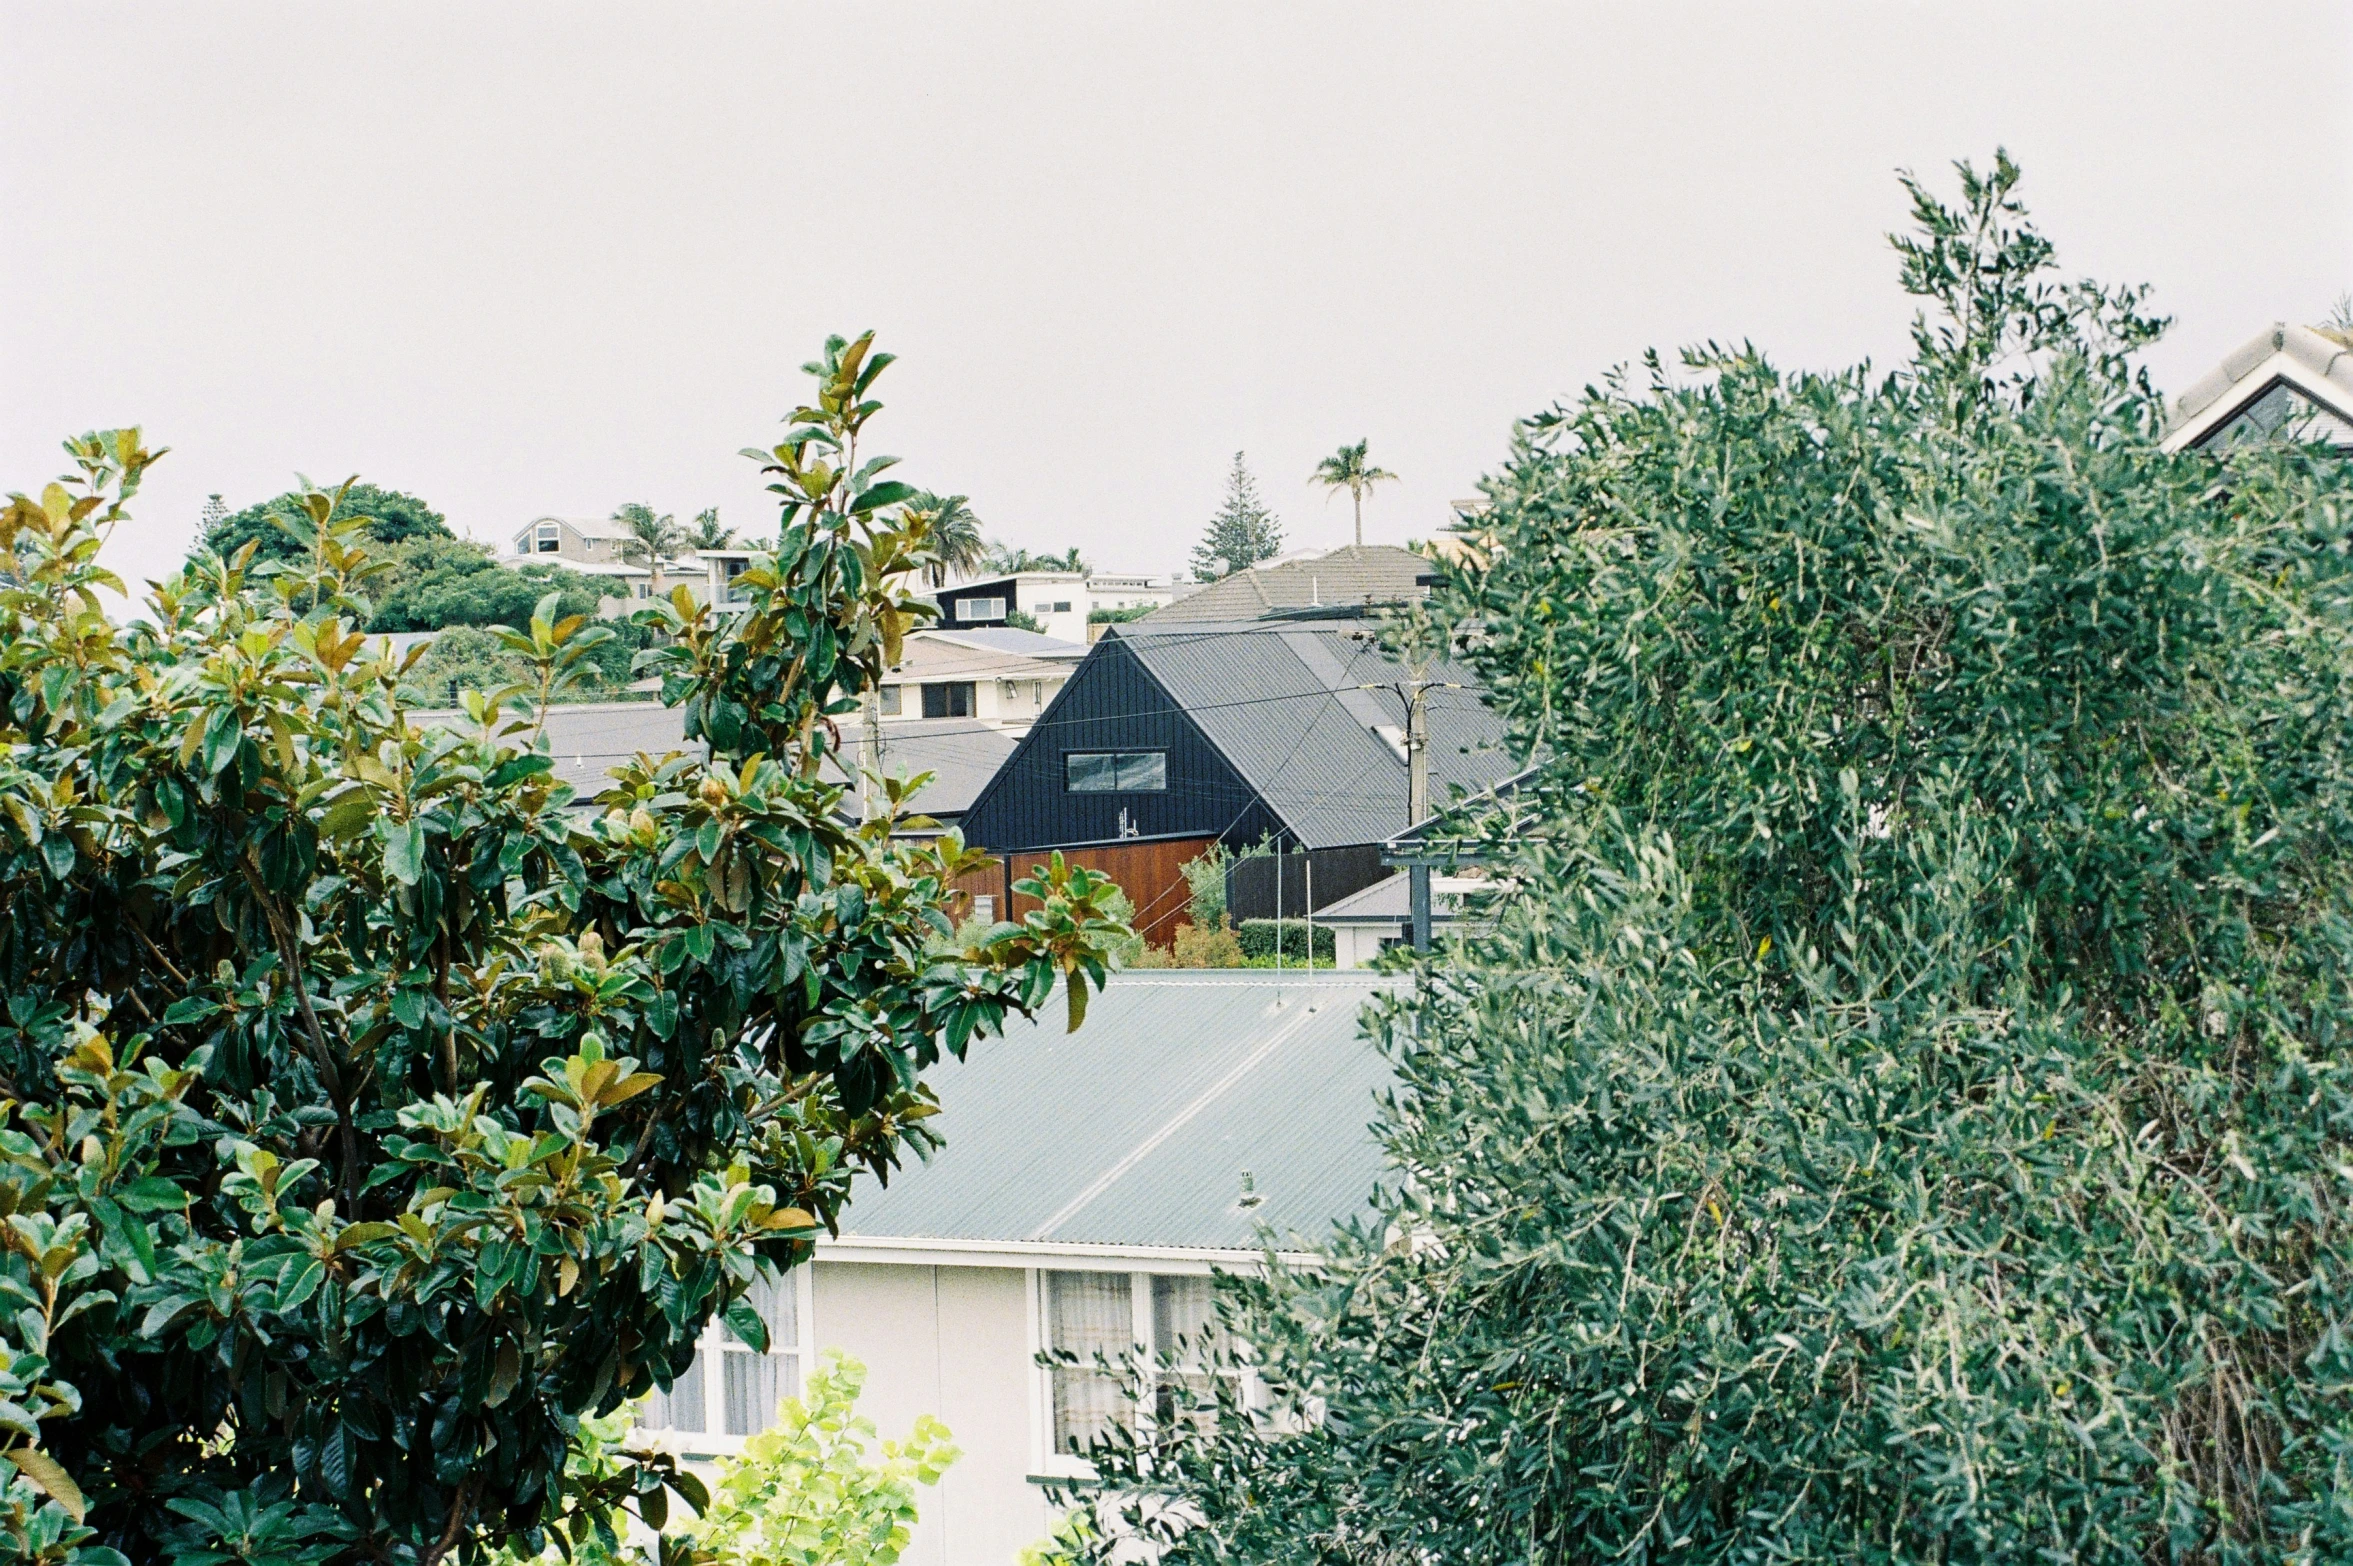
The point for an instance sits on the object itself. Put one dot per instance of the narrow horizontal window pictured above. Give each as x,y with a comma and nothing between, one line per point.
1115,771
980,608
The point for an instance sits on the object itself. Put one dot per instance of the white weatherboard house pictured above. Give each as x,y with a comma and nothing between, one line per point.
1091,1183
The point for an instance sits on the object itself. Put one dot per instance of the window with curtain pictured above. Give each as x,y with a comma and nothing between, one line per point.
729,1390
1088,1314
1184,1330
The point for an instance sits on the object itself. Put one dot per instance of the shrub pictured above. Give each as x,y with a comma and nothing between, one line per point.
1214,946
808,1493
1261,939
1205,878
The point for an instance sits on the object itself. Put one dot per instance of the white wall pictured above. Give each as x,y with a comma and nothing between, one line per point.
1356,945
954,1342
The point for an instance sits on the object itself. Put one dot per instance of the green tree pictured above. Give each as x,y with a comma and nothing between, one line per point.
392,518
1242,533
708,532
435,583
655,538
376,1116
1903,1117
1347,469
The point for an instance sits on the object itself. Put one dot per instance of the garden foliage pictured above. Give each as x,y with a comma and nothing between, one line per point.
371,1115
1904,1116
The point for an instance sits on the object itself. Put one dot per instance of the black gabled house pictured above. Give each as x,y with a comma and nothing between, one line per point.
1288,730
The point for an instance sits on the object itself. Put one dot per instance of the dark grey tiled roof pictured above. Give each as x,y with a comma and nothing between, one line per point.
1281,701
1136,1130
589,739
1355,574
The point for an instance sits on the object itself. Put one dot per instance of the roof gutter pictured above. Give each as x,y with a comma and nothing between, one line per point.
1069,1255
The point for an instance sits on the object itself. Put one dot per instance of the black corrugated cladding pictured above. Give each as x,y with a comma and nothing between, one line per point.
1112,703
949,598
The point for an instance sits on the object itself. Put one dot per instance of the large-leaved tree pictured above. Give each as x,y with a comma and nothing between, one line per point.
1905,1111
373,1113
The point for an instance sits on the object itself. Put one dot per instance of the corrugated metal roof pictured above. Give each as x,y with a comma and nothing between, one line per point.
1009,639
1136,1130
588,739
1354,574
1387,901
1303,734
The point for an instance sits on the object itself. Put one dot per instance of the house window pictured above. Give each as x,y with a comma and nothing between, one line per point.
1115,771
980,608
948,699
549,537
735,568
730,1392
1100,1329
1088,1314
1061,608
886,700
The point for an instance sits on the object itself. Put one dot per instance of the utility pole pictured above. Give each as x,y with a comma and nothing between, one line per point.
1417,803
870,753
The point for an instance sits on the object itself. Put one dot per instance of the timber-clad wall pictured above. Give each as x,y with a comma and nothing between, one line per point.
1149,872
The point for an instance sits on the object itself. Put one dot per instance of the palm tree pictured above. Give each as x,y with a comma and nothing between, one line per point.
956,544
707,533
1346,469
653,539
1006,558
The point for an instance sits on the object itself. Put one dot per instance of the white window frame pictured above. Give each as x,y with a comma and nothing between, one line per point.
547,538
979,609
715,1341
1044,1461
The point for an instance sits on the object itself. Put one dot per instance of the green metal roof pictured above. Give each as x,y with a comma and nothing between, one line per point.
1138,1128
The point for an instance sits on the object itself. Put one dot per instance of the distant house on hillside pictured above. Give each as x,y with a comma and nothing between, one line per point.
1172,737
1059,601
2290,381
592,546
996,676
1091,1184
1358,577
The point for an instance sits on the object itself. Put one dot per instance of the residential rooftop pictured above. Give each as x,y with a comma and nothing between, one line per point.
1353,576
1192,1110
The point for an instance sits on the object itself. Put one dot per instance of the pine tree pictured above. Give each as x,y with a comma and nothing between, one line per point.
1242,533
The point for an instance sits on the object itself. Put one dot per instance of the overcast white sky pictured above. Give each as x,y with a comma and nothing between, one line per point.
523,259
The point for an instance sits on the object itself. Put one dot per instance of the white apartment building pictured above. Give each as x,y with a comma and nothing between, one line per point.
1060,602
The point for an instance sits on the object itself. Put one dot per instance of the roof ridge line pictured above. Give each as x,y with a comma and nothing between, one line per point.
1176,1122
